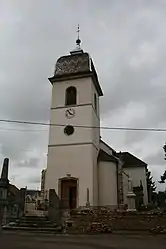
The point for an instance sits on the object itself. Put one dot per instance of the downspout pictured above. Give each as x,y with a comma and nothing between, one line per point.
98,183
117,177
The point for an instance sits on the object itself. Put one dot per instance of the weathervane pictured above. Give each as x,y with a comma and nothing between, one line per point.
78,41
78,31
78,49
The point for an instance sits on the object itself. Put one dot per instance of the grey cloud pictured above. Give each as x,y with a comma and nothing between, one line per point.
29,163
156,158
34,179
16,144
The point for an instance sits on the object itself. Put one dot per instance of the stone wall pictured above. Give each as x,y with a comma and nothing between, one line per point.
54,209
104,220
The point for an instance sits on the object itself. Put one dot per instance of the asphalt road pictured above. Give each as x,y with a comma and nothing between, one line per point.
42,241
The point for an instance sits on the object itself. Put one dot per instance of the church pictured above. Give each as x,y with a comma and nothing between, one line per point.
81,167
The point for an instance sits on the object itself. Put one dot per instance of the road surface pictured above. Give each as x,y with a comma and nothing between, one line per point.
112,241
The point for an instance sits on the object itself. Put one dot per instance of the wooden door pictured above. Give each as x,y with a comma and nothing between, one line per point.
69,193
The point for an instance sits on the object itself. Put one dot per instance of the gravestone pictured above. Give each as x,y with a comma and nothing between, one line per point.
130,197
87,201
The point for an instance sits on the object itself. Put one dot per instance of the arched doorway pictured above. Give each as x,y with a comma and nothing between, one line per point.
68,192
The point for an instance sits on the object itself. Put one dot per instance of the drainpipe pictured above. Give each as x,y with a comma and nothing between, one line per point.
25,200
117,183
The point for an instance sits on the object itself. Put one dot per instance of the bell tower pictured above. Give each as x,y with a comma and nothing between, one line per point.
73,141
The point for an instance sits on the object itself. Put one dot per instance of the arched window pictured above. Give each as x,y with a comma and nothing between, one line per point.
71,96
95,101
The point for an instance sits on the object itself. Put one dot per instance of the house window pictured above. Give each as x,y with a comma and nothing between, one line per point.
71,96
95,101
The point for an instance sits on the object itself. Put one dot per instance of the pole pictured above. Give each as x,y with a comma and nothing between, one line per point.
25,200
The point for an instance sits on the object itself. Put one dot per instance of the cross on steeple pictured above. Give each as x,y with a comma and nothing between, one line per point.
78,49
78,41
78,31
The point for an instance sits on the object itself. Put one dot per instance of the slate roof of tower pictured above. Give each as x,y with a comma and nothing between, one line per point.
73,66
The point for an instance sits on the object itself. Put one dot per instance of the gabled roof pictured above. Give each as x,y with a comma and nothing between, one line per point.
108,154
105,157
104,146
130,160
14,190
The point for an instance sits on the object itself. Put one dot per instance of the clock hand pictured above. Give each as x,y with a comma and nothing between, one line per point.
70,112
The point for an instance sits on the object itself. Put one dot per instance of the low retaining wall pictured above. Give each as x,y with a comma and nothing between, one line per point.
104,220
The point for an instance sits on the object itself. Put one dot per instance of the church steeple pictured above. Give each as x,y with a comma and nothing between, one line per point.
78,49
75,101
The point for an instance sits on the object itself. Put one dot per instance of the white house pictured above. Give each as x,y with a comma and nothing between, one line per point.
81,168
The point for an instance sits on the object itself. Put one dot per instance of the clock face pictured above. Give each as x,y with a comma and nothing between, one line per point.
70,113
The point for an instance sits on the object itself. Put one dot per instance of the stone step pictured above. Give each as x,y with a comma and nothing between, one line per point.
34,229
36,225
33,220
35,216
36,213
33,223
29,219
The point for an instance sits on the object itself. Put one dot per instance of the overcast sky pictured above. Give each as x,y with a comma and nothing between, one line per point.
127,41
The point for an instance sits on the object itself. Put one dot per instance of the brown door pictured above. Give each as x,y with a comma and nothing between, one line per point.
69,193
72,197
